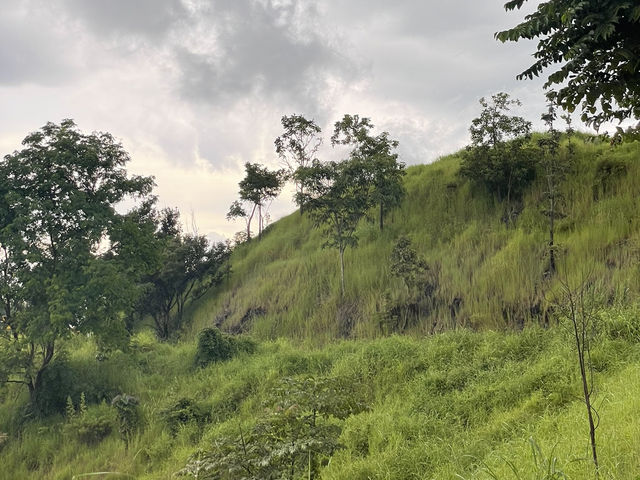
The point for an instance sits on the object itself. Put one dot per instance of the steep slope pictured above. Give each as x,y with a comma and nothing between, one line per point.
489,274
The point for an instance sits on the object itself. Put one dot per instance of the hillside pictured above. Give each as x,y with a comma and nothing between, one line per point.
481,383
487,274
450,406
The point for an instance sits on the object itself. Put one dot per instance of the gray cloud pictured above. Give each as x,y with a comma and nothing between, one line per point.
31,49
145,18
264,50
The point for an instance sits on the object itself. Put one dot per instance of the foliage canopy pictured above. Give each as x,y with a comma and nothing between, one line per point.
596,43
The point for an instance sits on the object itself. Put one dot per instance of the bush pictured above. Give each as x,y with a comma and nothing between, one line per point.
91,427
129,418
183,412
215,346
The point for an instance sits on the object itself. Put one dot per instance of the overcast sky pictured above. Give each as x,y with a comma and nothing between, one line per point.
195,88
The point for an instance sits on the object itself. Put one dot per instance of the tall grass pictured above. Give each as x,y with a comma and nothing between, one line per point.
491,275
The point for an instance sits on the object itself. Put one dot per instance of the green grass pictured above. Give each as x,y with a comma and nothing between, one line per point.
460,403
495,272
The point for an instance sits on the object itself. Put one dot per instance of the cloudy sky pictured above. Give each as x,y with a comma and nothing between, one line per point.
195,88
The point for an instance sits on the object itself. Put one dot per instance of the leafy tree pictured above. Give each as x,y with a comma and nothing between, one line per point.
336,197
259,186
421,281
298,145
61,271
407,265
498,157
597,45
129,416
378,154
188,268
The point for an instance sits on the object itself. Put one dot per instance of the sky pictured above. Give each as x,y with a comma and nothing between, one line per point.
193,89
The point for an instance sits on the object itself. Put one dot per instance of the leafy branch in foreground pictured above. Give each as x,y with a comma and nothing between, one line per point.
297,433
596,44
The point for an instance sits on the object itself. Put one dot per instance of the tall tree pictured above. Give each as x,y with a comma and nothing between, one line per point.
597,46
555,166
498,157
61,271
298,145
259,186
378,154
336,198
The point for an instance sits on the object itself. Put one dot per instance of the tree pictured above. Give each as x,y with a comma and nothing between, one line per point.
378,154
555,166
188,269
61,271
298,145
421,283
596,43
257,187
578,303
405,263
336,197
498,157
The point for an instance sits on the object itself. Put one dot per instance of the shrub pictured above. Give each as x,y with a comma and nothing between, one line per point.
72,378
183,412
91,427
129,418
215,346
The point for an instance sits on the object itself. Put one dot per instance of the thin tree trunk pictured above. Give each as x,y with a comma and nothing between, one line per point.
342,270
381,216
253,211
552,258
581,346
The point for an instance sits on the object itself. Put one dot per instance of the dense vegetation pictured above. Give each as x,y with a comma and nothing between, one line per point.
460,403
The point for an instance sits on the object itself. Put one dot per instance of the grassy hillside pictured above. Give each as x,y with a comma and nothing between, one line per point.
450,406
489,274
500,400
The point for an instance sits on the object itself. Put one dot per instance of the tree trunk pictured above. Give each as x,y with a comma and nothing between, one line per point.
342,270
253,211
552,213
35,383
381,216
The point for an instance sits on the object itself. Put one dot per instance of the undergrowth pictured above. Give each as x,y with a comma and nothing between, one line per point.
459,404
